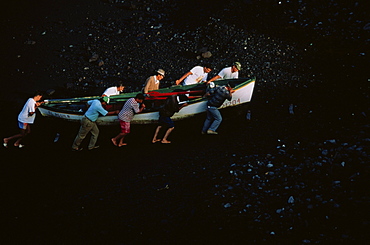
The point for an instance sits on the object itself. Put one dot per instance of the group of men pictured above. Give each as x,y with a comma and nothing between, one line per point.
99,107
200,73
216,95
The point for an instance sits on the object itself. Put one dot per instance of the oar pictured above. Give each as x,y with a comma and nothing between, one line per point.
158,94
70,100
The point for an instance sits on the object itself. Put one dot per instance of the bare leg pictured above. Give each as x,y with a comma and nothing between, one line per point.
164,140
19,137
156,134
116,139
18,141
121,140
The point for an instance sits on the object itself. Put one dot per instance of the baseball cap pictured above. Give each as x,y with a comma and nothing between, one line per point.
238,65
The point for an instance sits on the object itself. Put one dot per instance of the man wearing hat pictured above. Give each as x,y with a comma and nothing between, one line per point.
228,73
152,83
88,123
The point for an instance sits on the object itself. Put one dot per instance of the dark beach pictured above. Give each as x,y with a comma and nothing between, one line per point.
279,178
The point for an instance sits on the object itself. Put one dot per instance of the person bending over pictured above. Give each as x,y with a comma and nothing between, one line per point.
216,97
227,73
172,104
195,75
25,119
130,108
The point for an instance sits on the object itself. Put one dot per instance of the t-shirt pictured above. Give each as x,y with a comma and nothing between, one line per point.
129,109
24,115
111,91
227,74
94,110
198,75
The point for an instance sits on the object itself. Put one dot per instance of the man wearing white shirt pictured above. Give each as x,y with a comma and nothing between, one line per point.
195,75
228,73
115,90
25,118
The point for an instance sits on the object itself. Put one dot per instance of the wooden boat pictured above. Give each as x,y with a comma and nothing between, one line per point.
73,109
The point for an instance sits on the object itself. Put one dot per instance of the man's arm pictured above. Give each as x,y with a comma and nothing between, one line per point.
229,94
182,106
142,107
137,109
183,77
213,79
37,104
112,112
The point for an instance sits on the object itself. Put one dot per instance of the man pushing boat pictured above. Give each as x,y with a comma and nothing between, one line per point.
231,72
153,82
130,108
216,97
173,104
196,75
115,90
88,123
25,119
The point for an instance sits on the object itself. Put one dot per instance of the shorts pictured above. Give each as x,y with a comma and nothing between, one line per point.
166,121
22,125
125,127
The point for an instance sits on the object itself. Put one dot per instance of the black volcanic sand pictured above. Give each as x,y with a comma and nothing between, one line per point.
279,178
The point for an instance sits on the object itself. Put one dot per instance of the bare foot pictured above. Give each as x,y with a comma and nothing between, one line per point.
165,142
113,141
122,144
5,144
155,140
